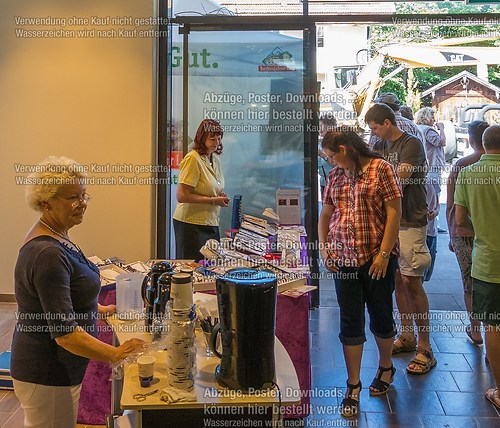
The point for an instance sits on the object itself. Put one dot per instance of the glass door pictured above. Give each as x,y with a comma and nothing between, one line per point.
261,86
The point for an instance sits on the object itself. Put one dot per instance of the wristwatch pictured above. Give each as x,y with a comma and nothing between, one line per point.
384,254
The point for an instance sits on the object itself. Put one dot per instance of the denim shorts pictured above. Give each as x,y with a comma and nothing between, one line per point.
355,288
486,302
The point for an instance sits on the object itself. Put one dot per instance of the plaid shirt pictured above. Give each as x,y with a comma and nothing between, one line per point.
357,224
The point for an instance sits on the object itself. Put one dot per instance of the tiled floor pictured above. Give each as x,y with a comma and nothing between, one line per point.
451,395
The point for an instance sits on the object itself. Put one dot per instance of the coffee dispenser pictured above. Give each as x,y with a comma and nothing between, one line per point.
156,290
246,300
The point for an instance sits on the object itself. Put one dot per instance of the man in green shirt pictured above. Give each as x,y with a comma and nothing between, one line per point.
477,203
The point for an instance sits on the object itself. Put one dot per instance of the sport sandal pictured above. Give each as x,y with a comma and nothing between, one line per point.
378,386
493,397
404,344
423,359
350,403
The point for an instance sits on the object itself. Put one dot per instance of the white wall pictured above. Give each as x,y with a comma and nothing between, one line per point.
86,98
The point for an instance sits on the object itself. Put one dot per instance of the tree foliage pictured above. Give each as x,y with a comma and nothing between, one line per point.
425,78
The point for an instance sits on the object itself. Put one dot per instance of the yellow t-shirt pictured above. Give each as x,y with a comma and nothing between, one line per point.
207,180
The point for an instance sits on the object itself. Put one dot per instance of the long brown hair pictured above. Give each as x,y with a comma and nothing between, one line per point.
207,129
355,145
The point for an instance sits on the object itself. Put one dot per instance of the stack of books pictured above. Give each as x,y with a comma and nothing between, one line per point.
253,235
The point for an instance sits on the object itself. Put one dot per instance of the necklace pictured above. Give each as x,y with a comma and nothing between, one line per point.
211,169
65,237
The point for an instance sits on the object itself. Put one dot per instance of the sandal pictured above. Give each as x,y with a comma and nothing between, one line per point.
379,386
479,341
350,403
492,396
423,359
404,344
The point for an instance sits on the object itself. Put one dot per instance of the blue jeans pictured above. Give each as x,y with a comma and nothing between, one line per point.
432,245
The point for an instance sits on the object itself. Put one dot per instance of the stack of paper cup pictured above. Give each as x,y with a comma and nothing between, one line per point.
181,291
181,339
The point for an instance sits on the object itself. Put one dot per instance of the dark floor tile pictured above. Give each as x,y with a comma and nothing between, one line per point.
473,382
337,420
433,421
415,402
320,325
369,360
391,420
4,417
451,362
322,359
487,422
455,345
329,378
466,404
6,341
9,403
16,421
477,362
435,380
326,341
441,301
369,404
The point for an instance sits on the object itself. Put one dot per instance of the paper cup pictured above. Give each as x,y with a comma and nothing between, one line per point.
146,366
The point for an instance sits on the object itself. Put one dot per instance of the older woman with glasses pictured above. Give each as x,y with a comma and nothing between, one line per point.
358,233
56,290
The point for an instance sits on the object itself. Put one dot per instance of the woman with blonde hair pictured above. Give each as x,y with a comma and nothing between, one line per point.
56,289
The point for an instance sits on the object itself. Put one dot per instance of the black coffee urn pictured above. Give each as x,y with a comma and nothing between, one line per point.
246,300
156,290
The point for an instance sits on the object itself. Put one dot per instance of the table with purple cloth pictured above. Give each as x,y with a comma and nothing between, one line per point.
292,329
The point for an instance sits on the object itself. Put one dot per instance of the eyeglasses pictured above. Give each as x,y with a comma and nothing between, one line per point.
75,200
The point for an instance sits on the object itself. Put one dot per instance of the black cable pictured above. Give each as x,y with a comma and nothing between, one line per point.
280,418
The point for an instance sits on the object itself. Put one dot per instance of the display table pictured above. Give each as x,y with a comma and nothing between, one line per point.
212,401
292,329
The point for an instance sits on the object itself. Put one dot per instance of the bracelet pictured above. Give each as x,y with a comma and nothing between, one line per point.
212,201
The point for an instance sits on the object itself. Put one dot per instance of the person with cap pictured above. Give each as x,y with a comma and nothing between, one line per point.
404,124
406,153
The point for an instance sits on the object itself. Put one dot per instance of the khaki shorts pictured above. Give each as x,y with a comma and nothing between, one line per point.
414,255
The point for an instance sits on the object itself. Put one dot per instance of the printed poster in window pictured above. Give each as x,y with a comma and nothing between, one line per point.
288,206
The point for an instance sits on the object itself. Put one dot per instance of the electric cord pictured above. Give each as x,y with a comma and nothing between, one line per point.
280,417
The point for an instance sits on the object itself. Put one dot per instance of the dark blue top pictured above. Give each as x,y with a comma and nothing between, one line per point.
56,289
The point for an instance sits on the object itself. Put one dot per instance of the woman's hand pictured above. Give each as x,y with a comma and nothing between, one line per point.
221,200
378,269
327,260
128,347
106,310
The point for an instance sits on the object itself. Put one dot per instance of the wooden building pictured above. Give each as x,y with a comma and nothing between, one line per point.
451,96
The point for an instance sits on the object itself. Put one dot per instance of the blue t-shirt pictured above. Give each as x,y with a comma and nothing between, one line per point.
56,289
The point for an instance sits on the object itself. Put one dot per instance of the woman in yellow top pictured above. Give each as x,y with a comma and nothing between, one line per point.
200,193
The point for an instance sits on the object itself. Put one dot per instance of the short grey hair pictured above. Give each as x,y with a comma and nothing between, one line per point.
424,116
49,176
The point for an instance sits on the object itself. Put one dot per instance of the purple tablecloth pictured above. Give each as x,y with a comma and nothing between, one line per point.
292,329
